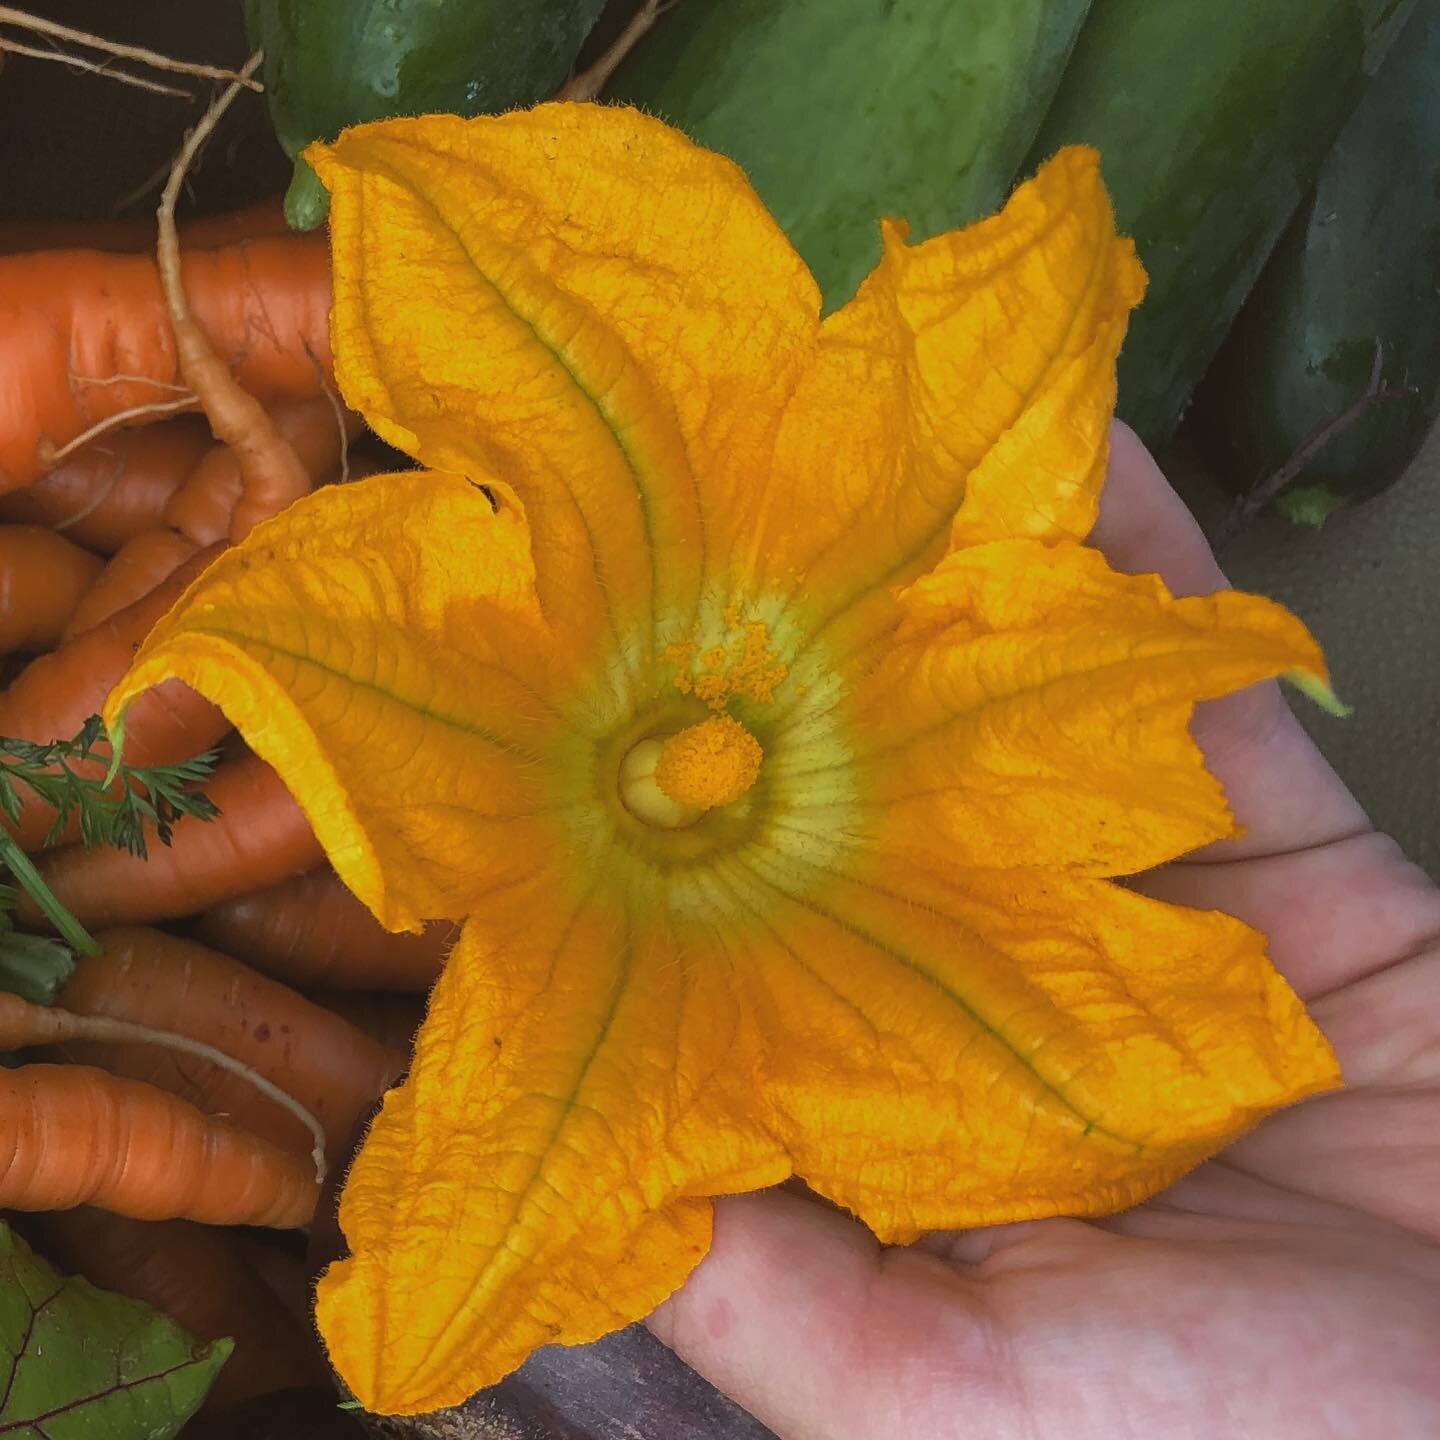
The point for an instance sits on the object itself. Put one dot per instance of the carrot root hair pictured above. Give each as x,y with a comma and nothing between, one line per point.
23,1025
273,473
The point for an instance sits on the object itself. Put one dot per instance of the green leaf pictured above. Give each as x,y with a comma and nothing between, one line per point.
77,1363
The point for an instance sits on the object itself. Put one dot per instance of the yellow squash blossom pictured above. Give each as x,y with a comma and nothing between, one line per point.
745,684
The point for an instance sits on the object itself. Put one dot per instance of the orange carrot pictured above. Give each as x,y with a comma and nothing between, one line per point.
53,695
205,232
105,493
259,838
71,318
387,1018
199,1276
205,503
42,579
203,508
133,572
312,932
24,1026
149,978
71,1135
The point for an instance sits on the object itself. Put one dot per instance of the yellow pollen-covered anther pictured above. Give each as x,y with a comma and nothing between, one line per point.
712,763
743,665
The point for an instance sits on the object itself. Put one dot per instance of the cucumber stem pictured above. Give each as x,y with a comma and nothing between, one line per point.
307,202
1242,513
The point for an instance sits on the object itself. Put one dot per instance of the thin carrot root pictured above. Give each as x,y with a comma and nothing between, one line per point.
147,977
43,577
51,455
23,1025
588,84
23,20
95,67
132,573
272,472
77,321
72,1135
204,507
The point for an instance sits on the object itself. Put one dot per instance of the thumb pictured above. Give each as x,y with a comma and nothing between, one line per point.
802,1317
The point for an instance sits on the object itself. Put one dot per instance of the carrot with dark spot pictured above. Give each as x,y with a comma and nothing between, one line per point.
331,1068
25,1026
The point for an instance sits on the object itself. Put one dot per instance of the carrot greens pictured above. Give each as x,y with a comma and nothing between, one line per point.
107,815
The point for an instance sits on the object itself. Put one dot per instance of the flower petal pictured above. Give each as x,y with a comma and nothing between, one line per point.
977,367
577,1087
1033,710
579,301
988,1046
379,644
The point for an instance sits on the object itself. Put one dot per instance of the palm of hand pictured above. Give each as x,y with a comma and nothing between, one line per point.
1291,1287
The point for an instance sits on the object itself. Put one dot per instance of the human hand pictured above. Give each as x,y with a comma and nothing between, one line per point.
1289,1287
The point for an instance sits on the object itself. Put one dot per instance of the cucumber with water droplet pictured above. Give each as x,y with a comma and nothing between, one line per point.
844,111
1212,121
333,63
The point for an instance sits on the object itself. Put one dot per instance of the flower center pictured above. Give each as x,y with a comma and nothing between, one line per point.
670,783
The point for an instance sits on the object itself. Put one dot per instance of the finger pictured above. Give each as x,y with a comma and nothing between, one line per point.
1331,915
804,1320
1145,527
1281,789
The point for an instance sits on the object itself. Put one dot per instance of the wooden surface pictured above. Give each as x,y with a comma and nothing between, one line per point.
627,1386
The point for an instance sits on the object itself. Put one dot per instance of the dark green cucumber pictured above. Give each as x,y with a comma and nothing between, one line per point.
1212,120
1359,266
844,111
333,63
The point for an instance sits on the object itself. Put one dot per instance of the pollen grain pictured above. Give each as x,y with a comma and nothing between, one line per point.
709,764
